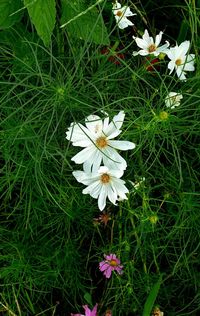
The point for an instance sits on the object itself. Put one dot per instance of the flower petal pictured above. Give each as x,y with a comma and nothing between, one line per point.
102,197
115,124
112,195
158,38
121,144
113,160
84,154
94,124
108,272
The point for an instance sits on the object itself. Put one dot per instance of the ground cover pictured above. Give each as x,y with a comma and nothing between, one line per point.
69,67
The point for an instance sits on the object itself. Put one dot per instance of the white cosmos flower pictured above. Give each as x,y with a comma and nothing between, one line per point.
149,46
102,184
173,99
97,139
180,60
121,14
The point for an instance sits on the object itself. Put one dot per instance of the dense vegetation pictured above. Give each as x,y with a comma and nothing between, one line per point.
60,62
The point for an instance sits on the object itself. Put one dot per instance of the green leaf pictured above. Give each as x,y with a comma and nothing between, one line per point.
151,298
88,298
183,32
8,15
84,23
43,16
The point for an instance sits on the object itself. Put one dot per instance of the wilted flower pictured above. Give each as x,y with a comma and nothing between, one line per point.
102,184
152,64
180,61
97,138
108,312
149,46
121,14
103,218
111,263
88,312
157,312
114,57
173,99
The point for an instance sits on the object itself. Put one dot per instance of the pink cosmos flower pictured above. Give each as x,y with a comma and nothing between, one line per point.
88,312
111,263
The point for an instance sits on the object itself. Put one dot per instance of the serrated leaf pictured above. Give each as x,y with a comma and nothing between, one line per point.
8,15
151,298
43,16
87,25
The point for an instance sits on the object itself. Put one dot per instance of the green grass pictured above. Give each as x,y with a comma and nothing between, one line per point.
50,245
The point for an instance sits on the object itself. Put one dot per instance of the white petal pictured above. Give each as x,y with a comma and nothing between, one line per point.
105,123
147,38
103,169
115,124
189,63
93,189
183,48
79,135
141,52
123,23
116,173
135,53
127,11
84,177
141,43
113,160
171,53
120,188
93,162
84,154
171,66
102,197
114,134
116,6
121,144
163,48
158,38
180,73
112,195
79,175
94,124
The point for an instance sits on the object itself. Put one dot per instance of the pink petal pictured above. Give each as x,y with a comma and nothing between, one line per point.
103,266
108,272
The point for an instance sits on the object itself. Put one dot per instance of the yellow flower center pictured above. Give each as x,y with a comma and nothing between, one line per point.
178,62
152,48
119,13
105,178
113,263
101,142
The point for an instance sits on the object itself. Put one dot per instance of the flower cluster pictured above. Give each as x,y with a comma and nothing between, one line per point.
180,60
103,166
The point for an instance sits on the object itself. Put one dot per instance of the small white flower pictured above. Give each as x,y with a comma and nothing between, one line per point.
173,99
121,14
136,185
102,184
149,46
180,61
97,138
